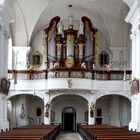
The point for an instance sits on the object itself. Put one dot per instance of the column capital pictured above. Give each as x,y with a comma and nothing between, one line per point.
6,15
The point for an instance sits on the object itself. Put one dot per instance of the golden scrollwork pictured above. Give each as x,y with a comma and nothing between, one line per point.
53,29
91,35
69,62
59,46
70,38
37,59
96,47
81,46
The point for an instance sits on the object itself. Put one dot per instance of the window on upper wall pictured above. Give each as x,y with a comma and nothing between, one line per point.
10,54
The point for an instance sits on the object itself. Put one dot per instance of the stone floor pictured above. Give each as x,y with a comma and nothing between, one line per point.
68,136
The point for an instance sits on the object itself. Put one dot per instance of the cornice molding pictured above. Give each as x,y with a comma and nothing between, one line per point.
6,15
134,11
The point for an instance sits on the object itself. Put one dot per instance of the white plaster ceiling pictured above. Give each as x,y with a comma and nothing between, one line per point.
33,15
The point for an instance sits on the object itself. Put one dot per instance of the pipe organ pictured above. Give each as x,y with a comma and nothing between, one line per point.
70,46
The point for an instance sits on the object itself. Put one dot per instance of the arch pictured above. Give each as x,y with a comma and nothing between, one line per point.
26,107
59,94
69,106
13,93
113,107
113,93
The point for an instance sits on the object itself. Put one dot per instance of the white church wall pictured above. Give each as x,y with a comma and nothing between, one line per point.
37,45
19,117
33,104
38,86
28,85
30,104
119,57
104,106
124,111
64,83
115,110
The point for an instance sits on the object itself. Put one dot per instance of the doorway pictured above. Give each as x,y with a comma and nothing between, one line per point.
68,119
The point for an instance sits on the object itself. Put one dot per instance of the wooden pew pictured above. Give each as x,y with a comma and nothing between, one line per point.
106,132
36,132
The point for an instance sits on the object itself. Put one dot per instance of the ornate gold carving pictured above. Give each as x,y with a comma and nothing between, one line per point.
80,46
70,62
97,47
70,38
53,29
59,46
89,31
37,59
84,65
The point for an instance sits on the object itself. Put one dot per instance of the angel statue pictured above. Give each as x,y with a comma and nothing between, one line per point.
92,109
81,29
60,27
47,110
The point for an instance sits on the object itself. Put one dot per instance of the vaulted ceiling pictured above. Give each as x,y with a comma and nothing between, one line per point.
30,16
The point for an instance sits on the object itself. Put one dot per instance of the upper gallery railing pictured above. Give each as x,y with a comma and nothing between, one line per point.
72,73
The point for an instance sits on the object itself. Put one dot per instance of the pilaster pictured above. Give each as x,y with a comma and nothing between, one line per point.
135,113
6,17
114,118
47,109
133,17
4,124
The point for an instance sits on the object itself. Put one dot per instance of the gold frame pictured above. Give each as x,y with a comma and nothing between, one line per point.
37,59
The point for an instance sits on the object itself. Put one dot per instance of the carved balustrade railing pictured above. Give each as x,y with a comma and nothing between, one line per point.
70,73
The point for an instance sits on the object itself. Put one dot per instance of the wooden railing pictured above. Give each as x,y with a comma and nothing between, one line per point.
70,73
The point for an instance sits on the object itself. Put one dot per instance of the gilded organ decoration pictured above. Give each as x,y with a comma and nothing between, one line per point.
69,62
37,59
72,44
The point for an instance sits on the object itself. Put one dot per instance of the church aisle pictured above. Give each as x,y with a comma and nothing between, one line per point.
68,136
